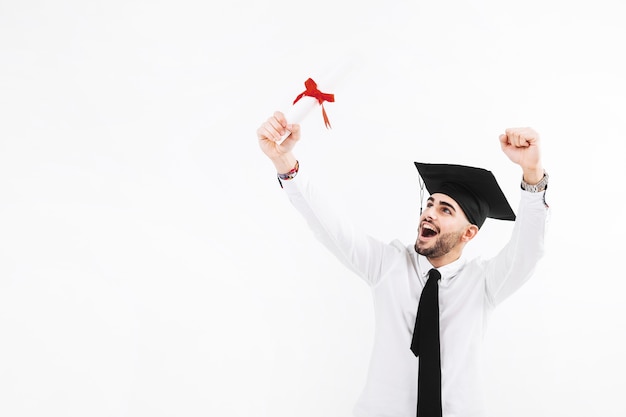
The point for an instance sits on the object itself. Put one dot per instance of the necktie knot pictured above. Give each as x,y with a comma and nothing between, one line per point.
434,274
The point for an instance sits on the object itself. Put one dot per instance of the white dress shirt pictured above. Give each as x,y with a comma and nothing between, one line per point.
468,292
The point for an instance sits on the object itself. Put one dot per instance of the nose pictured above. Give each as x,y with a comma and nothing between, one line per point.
429,213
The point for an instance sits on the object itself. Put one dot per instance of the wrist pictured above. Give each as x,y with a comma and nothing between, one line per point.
533,176
288,175
284,163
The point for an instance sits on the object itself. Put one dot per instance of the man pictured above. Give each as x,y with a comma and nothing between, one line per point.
440,320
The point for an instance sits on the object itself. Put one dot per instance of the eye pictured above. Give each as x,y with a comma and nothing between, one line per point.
446,210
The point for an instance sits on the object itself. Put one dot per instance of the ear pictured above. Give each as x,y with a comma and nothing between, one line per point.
470,232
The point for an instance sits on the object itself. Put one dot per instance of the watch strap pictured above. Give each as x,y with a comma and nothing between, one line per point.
536,188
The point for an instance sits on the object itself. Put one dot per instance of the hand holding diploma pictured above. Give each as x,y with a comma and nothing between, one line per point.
270,135
279,133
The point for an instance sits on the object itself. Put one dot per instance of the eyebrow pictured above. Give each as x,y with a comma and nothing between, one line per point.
443,203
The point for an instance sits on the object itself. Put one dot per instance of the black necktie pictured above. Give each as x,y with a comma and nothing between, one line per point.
425,345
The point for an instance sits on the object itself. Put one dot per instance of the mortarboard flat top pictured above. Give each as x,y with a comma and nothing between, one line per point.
474,189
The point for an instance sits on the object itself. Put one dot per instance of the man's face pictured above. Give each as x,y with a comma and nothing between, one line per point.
441,228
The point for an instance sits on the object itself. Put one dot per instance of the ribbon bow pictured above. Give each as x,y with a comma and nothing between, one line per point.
312,91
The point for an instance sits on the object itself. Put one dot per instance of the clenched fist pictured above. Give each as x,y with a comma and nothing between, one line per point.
522,146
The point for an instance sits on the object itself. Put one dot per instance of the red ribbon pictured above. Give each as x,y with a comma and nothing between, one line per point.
312,91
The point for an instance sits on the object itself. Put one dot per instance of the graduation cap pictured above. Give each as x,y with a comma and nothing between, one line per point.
474,189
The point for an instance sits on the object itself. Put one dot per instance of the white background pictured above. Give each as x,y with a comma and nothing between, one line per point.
151,266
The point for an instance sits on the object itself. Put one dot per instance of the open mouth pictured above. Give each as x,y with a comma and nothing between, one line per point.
428,231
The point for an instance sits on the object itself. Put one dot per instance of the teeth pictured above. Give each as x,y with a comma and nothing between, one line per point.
428,226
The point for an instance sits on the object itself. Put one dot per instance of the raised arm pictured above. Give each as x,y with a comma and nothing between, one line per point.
517,261
364,255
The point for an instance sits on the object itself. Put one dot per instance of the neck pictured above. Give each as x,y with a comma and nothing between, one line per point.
444,260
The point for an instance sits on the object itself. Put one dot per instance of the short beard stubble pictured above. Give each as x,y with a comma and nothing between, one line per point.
442,246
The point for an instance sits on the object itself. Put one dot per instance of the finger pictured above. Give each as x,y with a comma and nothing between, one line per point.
280,117
270,130
522,137
530,135
516,137
504,141
263,133
275,128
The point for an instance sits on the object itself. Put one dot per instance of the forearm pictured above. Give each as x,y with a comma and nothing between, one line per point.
359,252
515,264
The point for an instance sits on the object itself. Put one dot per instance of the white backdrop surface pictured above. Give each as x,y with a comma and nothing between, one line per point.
150,265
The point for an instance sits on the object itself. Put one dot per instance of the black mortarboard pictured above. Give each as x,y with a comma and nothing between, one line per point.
474,189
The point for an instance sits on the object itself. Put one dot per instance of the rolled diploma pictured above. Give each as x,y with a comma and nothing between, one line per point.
298,112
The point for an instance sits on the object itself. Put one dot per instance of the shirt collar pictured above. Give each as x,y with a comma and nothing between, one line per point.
447,272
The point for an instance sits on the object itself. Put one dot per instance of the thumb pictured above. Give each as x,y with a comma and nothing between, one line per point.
504,140
289,142
295,131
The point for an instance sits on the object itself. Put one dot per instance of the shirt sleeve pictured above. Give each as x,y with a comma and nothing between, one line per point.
517,261
366,256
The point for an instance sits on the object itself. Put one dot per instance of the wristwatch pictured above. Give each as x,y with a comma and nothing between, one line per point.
536,188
